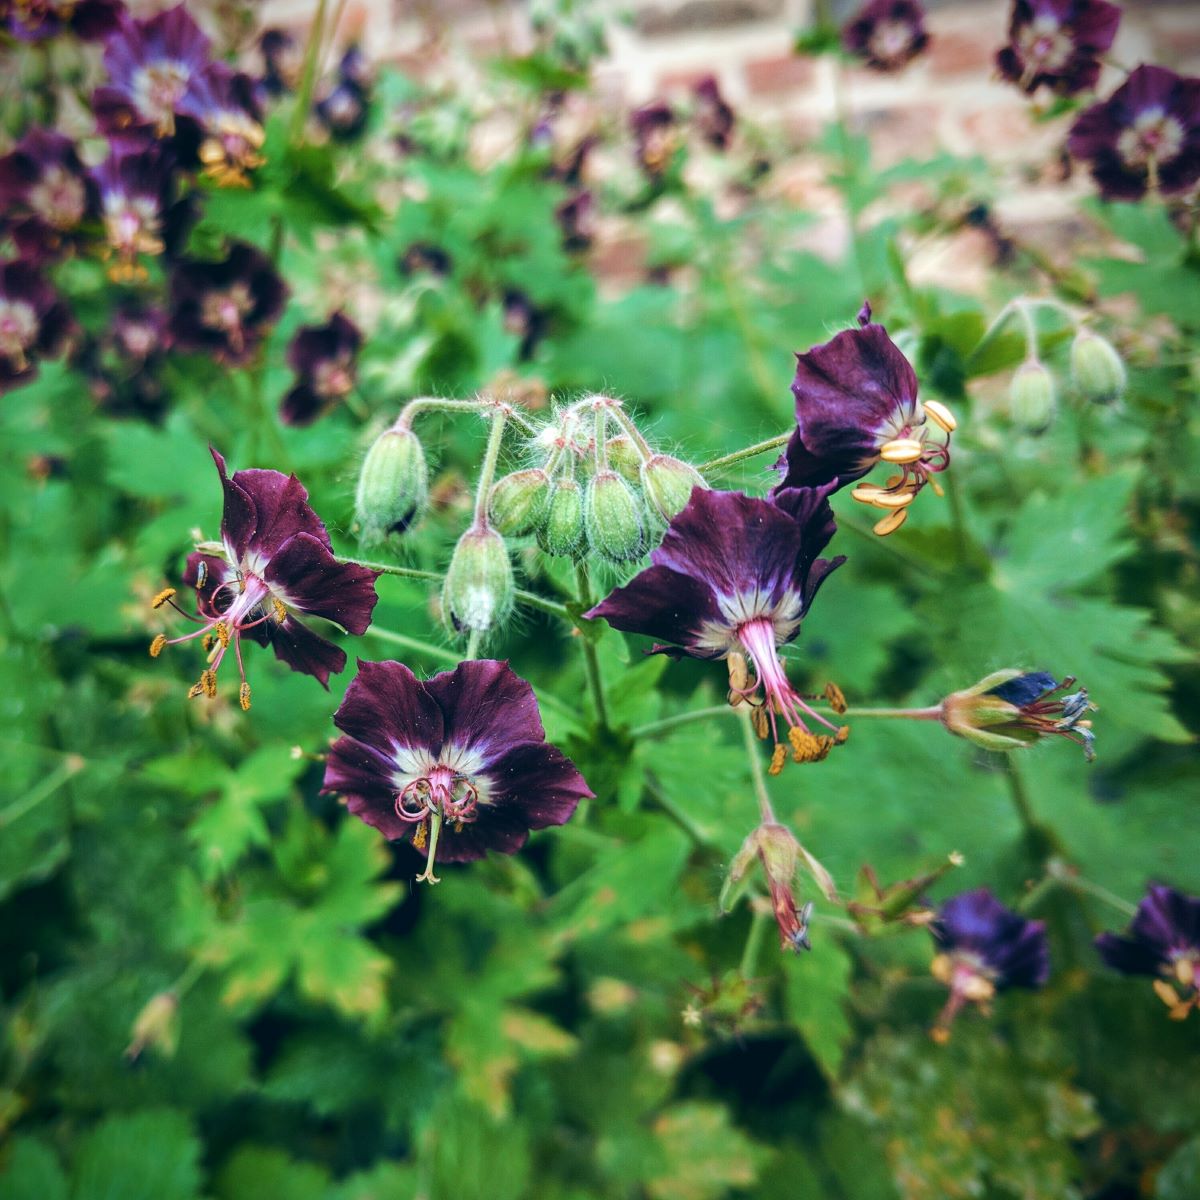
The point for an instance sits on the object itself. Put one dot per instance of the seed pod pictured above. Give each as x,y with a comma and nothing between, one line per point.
613,517
668,484
1096,368
393,486
518,501
1031,398
562,527
623,456
478,590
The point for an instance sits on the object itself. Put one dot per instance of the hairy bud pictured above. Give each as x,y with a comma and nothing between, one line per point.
478,591
623,456
668,484
613,518
157,1026
518,501
1096,368
393,486
1031,398
562,529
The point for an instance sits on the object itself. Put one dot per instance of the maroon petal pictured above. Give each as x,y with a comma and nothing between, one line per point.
240,517
301,406
304,573
1130,955
281,502
662,603
361,775
387,706
502,830
302,650
541,782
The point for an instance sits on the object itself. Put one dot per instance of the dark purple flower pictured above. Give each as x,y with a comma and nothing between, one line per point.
123,366
151,64
570,168
323,357
576,217
283,58
138,207
524,319
221,103
356,68
886,34
1163,942
33,322
735,575
425,256
38,20
856,405
274,561
1057,43
45,194
714,117
653,127
457,765
985,948
343,110
1144,137
226,308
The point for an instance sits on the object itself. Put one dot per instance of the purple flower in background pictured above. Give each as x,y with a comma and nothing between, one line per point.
138,207
1163,942
714,118
576,217
323,357
524,319
274,561
343,110
33,322
457,765
356,68
45,194
984,948
1144,137
1057,43
221,103
283,58
886,34
735,575
226,308
653,128
38,20
151,65
123,365
856,405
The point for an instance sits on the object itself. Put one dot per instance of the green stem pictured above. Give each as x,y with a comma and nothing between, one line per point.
308,74
473,643
754,938
1077,883
727,460
958,522
483,485
757,776
627,423
41,791
1042,841
416,645
666,724
992,332
591,661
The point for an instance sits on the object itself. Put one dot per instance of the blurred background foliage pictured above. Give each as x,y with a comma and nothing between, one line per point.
317,1026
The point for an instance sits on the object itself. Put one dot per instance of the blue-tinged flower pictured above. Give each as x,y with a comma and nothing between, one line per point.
274,564
123,365
1163,942
1144,137
34,322
283,59
456,765
735,576
1057,43
856,406
226,308
221,102
654,140
984,948
45,195
1011,709
886,34
151,64
343,110
323,357
39,20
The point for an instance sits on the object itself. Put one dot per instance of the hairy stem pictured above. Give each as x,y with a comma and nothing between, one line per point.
416,645
754,938
757,776
727,460
483,485
591,662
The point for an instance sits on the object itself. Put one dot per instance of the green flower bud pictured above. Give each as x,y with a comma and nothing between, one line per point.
614,518
668,484
478,591
518,501
1096,368
1031,398
156,1026
562,528
623,456
393,486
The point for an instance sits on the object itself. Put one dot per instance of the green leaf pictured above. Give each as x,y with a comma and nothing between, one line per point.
30,1170
1180,1176
818,988
152,1155
703,1155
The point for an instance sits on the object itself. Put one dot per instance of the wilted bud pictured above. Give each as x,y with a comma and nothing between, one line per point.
1010,709
1096,368
668,484
393,486
518,501
157,1025
613,518
562,529
623,456
1031,397
478,591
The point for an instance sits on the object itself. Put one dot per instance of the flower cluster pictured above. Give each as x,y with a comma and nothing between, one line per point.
886,34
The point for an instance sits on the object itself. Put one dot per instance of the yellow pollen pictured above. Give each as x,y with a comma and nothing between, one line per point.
421,837
281,611
208,642
778,755
842,734
809,747
156,646
458,827
891,522
836,697
901,450
938,490
939,1035
222,632
942,969
162,597
244,696
208,681
197,689
940,415
1185,968
1166,993
762,726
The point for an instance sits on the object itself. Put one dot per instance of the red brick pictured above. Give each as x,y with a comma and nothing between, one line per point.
958,54
780,73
